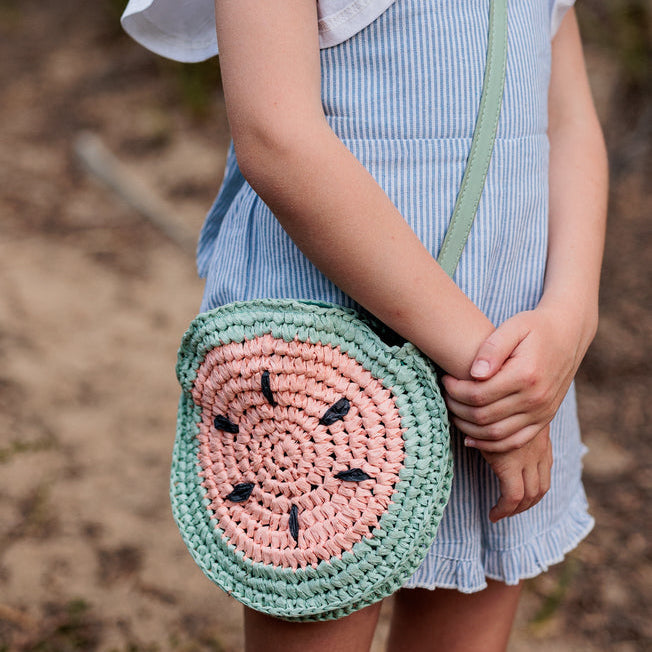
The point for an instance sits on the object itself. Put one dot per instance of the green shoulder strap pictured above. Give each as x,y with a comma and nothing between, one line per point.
482,145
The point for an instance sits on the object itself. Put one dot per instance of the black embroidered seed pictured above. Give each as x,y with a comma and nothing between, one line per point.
267,390
241,492
294,522
222,423
335,412
353,475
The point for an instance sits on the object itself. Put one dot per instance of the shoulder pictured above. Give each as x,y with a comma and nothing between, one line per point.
186,31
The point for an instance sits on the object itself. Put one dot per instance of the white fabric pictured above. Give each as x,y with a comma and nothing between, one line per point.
557,10
184,30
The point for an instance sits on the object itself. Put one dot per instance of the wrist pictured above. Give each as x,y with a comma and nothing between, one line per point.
578,315
454,345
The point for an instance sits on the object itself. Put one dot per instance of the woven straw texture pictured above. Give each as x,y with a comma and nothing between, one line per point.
311,464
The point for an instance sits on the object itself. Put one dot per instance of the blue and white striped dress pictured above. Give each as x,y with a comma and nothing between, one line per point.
402,94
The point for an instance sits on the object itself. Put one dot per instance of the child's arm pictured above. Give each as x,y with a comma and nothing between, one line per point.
322,195
530,360
332,207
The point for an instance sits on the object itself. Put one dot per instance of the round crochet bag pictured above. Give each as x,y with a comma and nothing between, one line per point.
312,460
311,463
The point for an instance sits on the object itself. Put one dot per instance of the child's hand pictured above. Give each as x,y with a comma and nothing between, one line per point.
522,372
524,475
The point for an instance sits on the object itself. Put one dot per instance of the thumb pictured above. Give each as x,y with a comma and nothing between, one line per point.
497,348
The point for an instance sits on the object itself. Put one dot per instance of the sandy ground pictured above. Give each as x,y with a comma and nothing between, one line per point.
93,301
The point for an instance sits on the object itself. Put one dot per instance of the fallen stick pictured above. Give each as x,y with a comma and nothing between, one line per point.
101,163
17,617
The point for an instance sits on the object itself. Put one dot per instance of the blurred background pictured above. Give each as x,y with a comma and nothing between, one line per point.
109,159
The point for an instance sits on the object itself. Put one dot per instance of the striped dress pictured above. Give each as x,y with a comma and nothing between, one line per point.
402,94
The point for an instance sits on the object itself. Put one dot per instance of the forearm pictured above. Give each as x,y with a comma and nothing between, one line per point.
344,222
578,206
578,190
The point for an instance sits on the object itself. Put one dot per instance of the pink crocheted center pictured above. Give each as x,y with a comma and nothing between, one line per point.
285,459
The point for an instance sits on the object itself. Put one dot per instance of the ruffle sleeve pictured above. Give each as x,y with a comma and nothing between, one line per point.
184,30
558,9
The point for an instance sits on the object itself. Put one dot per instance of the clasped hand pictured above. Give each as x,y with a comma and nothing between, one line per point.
521,374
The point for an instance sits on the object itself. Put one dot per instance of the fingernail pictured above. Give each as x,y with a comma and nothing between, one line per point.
480,368
469,442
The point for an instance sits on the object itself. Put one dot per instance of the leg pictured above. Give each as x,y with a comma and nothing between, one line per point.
353,633
444,619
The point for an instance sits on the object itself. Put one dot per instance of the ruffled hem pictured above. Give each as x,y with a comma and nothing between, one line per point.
509,565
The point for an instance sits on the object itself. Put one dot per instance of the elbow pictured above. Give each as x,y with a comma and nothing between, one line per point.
254,148
263,150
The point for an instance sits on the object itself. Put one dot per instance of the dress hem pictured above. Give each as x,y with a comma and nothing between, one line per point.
509,565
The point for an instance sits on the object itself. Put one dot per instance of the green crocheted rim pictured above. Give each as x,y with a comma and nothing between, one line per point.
376,566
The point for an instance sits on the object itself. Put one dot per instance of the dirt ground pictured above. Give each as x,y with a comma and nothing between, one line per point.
93,301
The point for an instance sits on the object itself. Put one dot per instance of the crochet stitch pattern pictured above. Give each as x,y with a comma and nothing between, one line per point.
312,461
284,456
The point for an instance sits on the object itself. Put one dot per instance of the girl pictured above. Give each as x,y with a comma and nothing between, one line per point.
351,122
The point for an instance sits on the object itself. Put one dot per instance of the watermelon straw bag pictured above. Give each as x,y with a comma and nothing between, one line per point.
312,461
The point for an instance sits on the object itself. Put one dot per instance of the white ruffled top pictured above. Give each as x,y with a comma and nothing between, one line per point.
184,30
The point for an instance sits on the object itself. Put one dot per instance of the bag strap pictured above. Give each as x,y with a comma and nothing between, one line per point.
482,145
